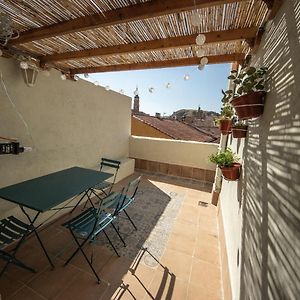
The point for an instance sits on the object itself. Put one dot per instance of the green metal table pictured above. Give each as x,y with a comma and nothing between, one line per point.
44,193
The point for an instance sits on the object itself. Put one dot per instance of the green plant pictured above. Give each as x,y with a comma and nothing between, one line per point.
225,158
249,79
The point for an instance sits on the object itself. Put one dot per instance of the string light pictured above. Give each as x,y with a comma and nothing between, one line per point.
200,52
63,76
96,83
86,75
107,87
76,77
201,67
186,77
200,39
151,89
168,85
122,91
204,61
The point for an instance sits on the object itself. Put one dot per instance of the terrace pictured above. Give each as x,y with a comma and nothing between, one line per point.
199,236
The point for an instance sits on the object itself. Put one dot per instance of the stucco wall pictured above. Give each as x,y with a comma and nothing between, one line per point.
69,123
185,153
261,212
139,128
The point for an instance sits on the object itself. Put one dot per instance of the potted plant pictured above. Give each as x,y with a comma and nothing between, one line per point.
239,130
227,161
225,121
248,96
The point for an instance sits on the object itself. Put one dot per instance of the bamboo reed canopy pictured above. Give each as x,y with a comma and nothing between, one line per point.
111,35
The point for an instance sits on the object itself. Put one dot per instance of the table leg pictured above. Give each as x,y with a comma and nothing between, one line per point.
36,233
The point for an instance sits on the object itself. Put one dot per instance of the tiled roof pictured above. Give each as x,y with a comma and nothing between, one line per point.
176,130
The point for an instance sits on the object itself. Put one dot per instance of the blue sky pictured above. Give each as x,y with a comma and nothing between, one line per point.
203,88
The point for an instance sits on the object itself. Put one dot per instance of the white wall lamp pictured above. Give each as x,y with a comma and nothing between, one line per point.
29,72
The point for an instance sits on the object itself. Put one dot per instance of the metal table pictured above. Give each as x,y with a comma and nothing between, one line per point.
44,193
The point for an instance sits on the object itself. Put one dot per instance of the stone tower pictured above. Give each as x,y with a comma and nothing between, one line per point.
136,101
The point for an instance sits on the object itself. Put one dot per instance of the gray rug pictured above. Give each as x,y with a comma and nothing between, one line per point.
154,212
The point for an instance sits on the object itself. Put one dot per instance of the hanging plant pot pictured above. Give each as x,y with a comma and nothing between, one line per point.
239,131
225,126
249,106
232,172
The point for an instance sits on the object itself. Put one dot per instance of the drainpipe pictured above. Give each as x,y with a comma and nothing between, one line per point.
222,146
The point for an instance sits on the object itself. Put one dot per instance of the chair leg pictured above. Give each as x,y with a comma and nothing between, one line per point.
83,253
118,233
111,243
130,219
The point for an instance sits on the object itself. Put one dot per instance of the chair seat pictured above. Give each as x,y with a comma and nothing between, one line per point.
102,185
123,202
83,224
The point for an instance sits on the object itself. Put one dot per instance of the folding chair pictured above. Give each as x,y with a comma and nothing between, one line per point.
127,197
90,223
106,186
13,230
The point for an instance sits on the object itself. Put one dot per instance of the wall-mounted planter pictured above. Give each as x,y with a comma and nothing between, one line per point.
225,126
232,172
249,106
239,131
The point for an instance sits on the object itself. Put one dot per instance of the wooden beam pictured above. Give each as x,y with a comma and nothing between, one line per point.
138,11
169,43
217,59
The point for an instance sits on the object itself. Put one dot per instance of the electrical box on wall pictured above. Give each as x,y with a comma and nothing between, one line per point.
11,148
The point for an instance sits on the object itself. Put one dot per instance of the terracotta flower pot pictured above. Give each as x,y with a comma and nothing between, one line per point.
239,131
225,126
249,106
232,172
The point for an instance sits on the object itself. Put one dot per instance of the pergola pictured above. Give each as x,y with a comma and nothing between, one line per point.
115,35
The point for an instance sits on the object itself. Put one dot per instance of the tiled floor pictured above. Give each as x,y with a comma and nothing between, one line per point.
186,260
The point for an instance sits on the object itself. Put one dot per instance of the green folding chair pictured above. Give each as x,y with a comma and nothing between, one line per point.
127,196
12,230
89,224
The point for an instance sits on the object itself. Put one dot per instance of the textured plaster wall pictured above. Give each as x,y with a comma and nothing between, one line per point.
261,212
69,124
184,153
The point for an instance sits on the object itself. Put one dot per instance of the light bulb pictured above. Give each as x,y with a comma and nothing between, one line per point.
136,92
186,77
195,19
168,85
200,39
86,75
151,89
1,52
24,65
96,83
201,67
122,91
107,87
76,77
63,76
200,52
204,61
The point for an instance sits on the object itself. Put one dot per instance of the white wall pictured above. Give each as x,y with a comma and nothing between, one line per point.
184,153
261,212
69,124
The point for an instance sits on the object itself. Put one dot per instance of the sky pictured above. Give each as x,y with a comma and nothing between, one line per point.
202,89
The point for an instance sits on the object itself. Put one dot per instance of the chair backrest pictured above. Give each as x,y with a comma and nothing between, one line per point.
110,163
128,191
110,201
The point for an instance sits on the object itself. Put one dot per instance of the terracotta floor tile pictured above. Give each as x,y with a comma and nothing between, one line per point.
181,244
27,294
84,286
200,292
177,263
205,275
185,229
50,283
166,285
8,287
